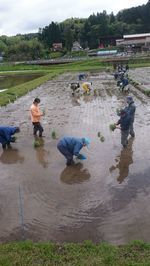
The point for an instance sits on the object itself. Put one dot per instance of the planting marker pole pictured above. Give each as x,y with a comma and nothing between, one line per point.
21,213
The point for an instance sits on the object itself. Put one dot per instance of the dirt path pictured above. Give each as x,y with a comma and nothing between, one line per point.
104,199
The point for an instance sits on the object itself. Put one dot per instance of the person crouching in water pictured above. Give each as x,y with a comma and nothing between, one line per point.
74,87
124,123
36,117
70,146
6,135
87,87
124,84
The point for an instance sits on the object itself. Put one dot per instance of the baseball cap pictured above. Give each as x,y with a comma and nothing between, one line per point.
86,141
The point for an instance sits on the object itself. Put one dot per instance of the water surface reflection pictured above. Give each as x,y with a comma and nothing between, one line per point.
75,174
123,162
11,156
42,154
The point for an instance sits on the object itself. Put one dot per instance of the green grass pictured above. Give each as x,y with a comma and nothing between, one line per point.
68,254
87,64
20,67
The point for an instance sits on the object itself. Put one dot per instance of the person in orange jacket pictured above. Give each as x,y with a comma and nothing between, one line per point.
36,117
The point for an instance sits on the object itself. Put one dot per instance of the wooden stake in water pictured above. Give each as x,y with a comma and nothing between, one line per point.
21,213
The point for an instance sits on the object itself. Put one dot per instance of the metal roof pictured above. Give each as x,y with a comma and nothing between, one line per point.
136,35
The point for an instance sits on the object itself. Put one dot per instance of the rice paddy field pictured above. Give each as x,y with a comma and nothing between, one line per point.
103,198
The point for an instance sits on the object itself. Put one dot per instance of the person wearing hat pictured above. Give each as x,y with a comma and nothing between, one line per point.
36,117
124,123
6,135
131,108
70,146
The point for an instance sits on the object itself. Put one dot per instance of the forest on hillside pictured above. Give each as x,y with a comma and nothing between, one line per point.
89,32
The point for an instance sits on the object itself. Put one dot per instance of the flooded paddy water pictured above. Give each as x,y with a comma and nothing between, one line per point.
104,198
8,81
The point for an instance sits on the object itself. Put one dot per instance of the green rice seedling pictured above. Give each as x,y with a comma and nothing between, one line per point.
112,127
36,144
102,139
53,134
118,111
15,138
95,92
99,134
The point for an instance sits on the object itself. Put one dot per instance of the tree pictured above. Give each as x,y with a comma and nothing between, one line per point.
68,38
50,34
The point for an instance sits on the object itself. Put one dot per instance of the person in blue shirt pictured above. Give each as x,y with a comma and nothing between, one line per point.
82,76
123,83
124,123
6,135
70,146
130,109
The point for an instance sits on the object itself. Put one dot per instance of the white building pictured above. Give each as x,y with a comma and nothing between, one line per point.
76,46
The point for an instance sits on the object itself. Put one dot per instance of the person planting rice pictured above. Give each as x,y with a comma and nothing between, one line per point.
36,117
6,135
70,146
130,109
124,82
82,76
87,87
74,86
124,123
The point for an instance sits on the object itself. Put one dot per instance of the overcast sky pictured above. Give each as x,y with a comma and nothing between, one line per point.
26,16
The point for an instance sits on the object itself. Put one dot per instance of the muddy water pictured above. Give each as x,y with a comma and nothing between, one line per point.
9,81
105,198
142,77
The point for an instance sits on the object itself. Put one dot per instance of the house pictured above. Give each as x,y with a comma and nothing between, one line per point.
57,46
76,46
135,42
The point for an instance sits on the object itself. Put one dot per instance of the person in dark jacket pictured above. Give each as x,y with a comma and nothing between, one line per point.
124,123
123,83
82,76
6,135
130,109
70,146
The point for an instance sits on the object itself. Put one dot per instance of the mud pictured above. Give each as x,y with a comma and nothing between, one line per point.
104,198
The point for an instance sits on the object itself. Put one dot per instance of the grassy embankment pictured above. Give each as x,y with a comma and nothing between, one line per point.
51,71
85,254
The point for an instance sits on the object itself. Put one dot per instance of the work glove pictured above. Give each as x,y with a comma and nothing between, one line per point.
13,139
81,156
